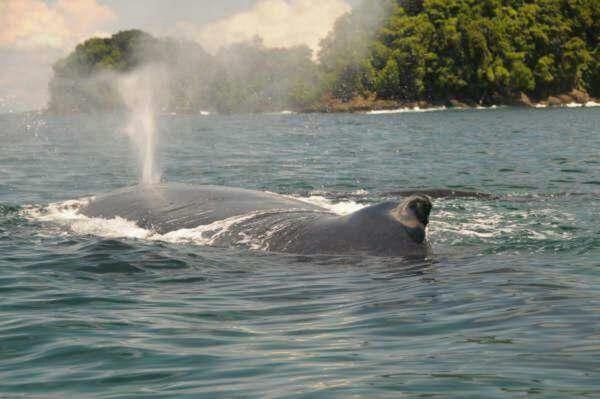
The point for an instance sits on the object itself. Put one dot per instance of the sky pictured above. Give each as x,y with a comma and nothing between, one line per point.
36,33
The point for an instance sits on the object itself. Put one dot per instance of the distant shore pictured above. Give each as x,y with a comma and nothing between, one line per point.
371,105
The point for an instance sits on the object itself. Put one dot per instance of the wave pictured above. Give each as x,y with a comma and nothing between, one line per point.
404,110
503,227
573,105
337,207
588,104
68,214
284,112
481,107
8,209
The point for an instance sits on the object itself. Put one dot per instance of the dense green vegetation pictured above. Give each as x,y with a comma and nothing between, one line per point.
475,51
345,52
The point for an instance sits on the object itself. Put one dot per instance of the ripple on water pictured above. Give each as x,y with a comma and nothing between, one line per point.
507,307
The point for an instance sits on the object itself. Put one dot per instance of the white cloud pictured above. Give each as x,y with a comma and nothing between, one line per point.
24,77
280,23
33,35
30,24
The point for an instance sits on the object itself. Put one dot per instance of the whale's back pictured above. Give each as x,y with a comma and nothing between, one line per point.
174,206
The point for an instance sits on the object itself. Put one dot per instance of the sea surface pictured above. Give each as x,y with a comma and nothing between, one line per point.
507,307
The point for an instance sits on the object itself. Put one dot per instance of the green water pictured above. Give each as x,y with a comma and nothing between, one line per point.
508,307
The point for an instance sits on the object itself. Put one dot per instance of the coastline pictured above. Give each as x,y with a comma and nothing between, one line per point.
373,106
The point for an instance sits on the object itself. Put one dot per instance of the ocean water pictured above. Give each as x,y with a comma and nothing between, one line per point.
507,307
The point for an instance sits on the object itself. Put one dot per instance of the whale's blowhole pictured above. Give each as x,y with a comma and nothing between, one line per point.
414,211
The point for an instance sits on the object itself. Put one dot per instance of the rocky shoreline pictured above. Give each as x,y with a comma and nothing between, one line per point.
370,104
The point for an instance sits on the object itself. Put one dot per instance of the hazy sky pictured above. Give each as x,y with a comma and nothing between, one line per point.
163,13
35,33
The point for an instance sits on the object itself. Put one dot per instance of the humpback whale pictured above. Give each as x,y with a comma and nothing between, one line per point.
271,221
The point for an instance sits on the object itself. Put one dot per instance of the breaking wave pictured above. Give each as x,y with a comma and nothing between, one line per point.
404,110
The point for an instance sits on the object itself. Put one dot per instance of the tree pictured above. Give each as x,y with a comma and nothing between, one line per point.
476,50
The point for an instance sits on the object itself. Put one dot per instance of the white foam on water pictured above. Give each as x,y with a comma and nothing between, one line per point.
404,110
340,208
59,211
481,107
67,215
206,234
479,224
261,242
485,222
250,241
109,228
284,112
573,105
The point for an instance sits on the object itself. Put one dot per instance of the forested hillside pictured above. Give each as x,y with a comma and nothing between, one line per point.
484,51
395,51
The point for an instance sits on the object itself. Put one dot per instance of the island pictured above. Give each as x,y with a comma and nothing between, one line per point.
383,55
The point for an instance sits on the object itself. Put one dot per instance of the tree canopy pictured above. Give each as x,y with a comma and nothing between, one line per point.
475,51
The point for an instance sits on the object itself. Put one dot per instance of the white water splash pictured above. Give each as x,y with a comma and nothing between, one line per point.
67,215
573,105
404,110
206,234
339,208
482,108
487,223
